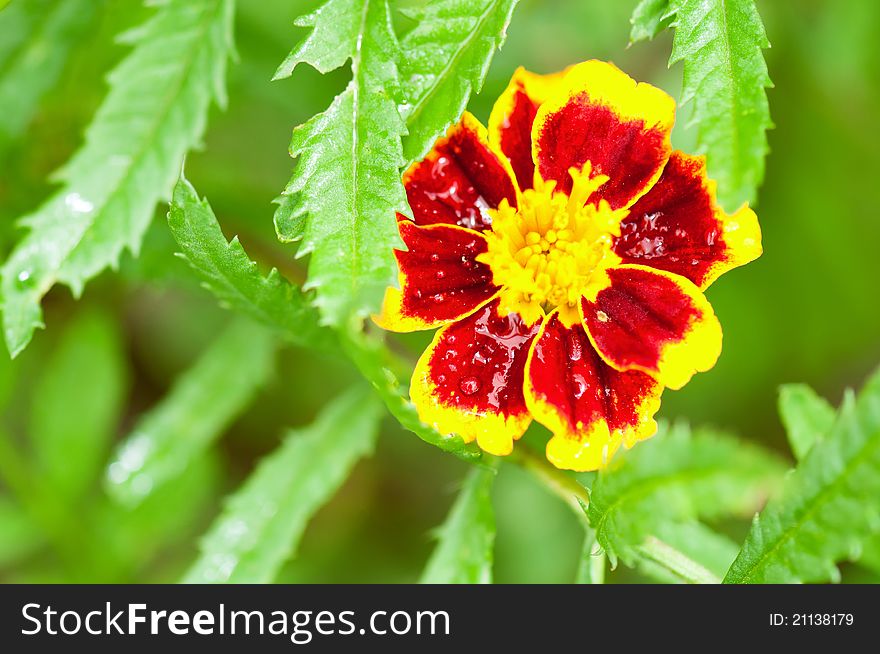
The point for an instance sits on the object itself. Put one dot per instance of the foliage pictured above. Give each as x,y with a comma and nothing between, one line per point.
807,417
262,523
49,506
649,18
125,424
464,550
227,272
677,476
132,154
725,81
828,506
444,59
177,431
345,190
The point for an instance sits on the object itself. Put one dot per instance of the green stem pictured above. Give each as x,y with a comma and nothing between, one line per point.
683,567
552,478
578,498
592,566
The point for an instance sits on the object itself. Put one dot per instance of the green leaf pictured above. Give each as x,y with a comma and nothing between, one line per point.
77,403
375,363
829,506
346,188
263,521
133,536
725,77
155,111
807,417
870,557
200,406
677,476
591,568
227,271
444,59
649,18
464,552
36,37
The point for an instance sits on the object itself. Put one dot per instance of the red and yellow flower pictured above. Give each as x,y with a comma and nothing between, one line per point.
563,253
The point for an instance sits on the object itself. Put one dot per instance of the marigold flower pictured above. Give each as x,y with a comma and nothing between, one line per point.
564,254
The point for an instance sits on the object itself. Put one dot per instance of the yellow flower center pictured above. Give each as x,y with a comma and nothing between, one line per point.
553,249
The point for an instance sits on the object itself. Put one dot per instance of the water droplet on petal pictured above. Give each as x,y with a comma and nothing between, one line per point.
575,348
440,274
469,385
580,386
439,297
435,257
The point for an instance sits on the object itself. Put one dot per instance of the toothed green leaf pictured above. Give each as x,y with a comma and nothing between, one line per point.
677,476
720,43
155,111
649,18
829,507
444,60
233,277
225,268
342,200
807,417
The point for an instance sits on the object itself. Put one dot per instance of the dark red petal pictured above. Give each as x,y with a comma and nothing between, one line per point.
589,406
459,179
653,321
440,279
678,226
605,118
510,124
470,381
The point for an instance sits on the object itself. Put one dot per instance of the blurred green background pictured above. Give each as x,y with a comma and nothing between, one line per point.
806,311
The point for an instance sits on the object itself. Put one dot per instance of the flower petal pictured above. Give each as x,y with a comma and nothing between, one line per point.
653,321
470,380
440,279
459,179
589,406
603,116
510,124
678,226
